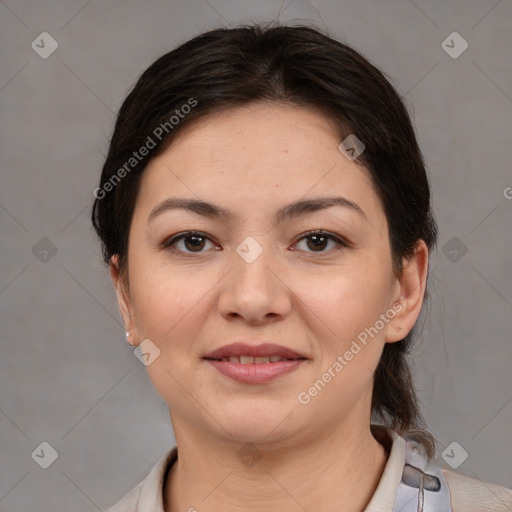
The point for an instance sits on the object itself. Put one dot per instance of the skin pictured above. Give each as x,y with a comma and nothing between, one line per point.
254,160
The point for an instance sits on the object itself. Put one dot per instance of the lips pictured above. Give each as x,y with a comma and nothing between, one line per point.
255,364
239,350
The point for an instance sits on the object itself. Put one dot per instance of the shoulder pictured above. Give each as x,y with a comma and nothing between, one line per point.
129,502
148,494
472,495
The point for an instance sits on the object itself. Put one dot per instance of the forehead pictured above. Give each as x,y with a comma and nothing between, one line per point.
259,133
259,153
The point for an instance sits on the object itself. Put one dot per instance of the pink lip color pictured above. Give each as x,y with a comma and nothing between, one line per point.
255,373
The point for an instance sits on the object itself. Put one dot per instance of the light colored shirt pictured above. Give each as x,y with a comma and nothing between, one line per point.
465,494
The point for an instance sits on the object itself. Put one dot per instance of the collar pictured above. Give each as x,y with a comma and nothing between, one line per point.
383,498
409,482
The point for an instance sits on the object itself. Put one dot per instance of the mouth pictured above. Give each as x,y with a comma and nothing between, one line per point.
255,364
274,358
254,354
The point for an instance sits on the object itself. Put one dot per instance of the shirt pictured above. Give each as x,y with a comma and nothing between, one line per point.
409,483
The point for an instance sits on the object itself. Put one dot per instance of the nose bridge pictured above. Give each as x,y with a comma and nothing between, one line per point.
251,272
253,290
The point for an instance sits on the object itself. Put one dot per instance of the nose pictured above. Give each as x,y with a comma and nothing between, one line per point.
255,291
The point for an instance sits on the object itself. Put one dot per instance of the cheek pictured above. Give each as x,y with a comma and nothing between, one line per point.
348,299
170,302
344,314
161,301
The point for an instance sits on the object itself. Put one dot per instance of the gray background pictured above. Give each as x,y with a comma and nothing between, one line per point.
68,377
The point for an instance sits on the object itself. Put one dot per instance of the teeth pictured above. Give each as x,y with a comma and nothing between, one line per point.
253,360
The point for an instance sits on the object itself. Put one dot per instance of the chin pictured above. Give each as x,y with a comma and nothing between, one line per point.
264,424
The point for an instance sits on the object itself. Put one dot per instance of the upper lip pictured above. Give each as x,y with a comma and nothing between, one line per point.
264,349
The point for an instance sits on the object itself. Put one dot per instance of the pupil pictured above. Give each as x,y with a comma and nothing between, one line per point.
197,243
317,238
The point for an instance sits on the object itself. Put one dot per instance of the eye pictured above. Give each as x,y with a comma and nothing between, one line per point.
187,242
319,240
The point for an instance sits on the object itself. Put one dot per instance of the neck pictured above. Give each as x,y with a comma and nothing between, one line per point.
341,469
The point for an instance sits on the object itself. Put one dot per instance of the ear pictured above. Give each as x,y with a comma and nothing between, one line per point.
409,294
123,298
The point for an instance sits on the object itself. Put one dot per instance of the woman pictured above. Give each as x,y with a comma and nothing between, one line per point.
265,212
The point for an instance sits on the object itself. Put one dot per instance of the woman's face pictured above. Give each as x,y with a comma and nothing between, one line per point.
253,275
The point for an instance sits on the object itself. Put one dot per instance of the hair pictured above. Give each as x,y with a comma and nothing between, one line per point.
294,65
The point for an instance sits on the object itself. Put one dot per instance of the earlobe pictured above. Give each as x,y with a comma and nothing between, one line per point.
123,299
410,294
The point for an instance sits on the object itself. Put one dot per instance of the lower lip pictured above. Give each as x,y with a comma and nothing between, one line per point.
256,373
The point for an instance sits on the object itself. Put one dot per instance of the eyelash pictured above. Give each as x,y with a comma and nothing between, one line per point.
169,244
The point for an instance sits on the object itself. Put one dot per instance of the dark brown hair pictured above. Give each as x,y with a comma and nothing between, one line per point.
296,65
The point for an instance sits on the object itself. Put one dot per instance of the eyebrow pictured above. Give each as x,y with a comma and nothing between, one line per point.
287,212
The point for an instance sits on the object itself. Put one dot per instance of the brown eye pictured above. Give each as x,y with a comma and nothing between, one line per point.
188,242
194,243
318,241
